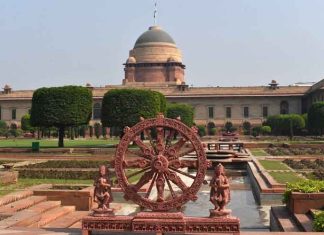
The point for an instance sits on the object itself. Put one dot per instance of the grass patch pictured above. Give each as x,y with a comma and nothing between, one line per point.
259,152
24,183
273,165
285,177
52,143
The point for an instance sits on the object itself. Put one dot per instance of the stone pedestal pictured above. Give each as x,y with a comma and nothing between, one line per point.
217,213
103,212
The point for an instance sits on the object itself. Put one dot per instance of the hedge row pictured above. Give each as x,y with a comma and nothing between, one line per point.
58,174
68,164
306,186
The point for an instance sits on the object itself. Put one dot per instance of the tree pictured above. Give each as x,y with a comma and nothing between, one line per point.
246,128
315,118
285,124
3,128
185,111
61,107
97,129
201,130
25,123
124,107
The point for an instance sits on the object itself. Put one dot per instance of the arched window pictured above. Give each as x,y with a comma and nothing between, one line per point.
97,111
284,107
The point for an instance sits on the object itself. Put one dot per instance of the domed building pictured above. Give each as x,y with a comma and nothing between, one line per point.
155,63
154,58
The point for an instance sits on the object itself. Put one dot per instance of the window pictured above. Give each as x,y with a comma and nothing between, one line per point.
210,112
284,107
265,111
97,111
246,112
228,112
13,114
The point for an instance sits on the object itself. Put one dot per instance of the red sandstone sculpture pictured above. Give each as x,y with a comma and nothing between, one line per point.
158,161
219,193
102,191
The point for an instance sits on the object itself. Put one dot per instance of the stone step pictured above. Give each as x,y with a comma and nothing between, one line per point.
67,220
11,208
284,219
28,216
304,222
15,196
76,225
52,215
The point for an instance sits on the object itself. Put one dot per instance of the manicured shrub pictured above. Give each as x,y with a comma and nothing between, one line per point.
246,128
201,130
286,124
61,107
212,131
184,111
97,129
124,107
265,130
25,123
316,118
3,128
256,131
58,174
210,126
228,126
67,164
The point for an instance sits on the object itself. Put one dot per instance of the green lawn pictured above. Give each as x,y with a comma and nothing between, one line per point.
50,143
258,152
24,183
285,177
273,165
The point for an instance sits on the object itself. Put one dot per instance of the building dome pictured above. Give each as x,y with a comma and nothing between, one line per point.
131,60
155,46
152,36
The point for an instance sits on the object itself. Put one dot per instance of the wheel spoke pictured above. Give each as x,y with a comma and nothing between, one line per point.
151,186
160,183
138,153
169,185
143,180
182,173
179,155
138,172
145,149
160,140
177,180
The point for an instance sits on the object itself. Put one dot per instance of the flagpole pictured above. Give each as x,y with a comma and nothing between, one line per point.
155,13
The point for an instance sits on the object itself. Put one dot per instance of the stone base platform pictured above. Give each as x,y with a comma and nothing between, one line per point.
161,222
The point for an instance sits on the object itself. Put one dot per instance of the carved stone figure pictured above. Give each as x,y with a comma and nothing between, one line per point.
102,191
219,193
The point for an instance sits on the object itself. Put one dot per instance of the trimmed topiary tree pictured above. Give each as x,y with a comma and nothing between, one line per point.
185,111
265,130
201,130
61,107
124,107
285,124
3,128
316,118
25,123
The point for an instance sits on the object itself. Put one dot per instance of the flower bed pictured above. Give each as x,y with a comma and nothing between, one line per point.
305,195
317,167
280,151
68,164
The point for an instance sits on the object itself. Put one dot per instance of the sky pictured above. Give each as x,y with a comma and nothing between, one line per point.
223,42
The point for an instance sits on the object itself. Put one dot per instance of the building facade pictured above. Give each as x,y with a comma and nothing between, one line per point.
155,63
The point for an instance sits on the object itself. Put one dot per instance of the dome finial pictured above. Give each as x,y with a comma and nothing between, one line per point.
155,13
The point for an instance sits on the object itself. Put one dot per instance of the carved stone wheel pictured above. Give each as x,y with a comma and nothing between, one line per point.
159,163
